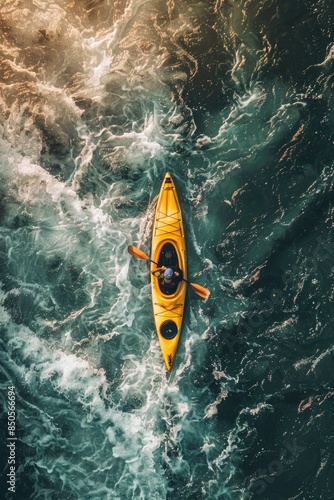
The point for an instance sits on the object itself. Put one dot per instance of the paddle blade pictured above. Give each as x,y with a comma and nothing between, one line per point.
202,292
138,254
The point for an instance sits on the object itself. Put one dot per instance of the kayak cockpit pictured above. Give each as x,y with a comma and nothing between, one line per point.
168,258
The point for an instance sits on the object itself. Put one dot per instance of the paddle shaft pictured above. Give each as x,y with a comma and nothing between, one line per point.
183,279
139,254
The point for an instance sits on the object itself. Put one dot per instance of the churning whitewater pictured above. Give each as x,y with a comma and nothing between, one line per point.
99,99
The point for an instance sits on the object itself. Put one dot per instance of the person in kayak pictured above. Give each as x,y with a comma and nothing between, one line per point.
169,278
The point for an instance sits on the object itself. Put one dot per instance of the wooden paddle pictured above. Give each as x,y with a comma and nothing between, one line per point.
139,254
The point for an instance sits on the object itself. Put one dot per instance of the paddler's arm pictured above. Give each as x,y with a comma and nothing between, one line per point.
158,271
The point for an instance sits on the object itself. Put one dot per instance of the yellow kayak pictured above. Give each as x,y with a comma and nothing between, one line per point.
168,251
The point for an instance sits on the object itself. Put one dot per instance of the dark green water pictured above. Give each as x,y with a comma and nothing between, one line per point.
99,99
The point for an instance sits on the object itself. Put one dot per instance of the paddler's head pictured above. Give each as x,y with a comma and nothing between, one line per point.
168,274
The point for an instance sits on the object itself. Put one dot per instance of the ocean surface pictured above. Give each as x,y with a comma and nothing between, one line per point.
99,99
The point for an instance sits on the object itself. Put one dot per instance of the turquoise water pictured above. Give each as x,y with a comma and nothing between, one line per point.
99,100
